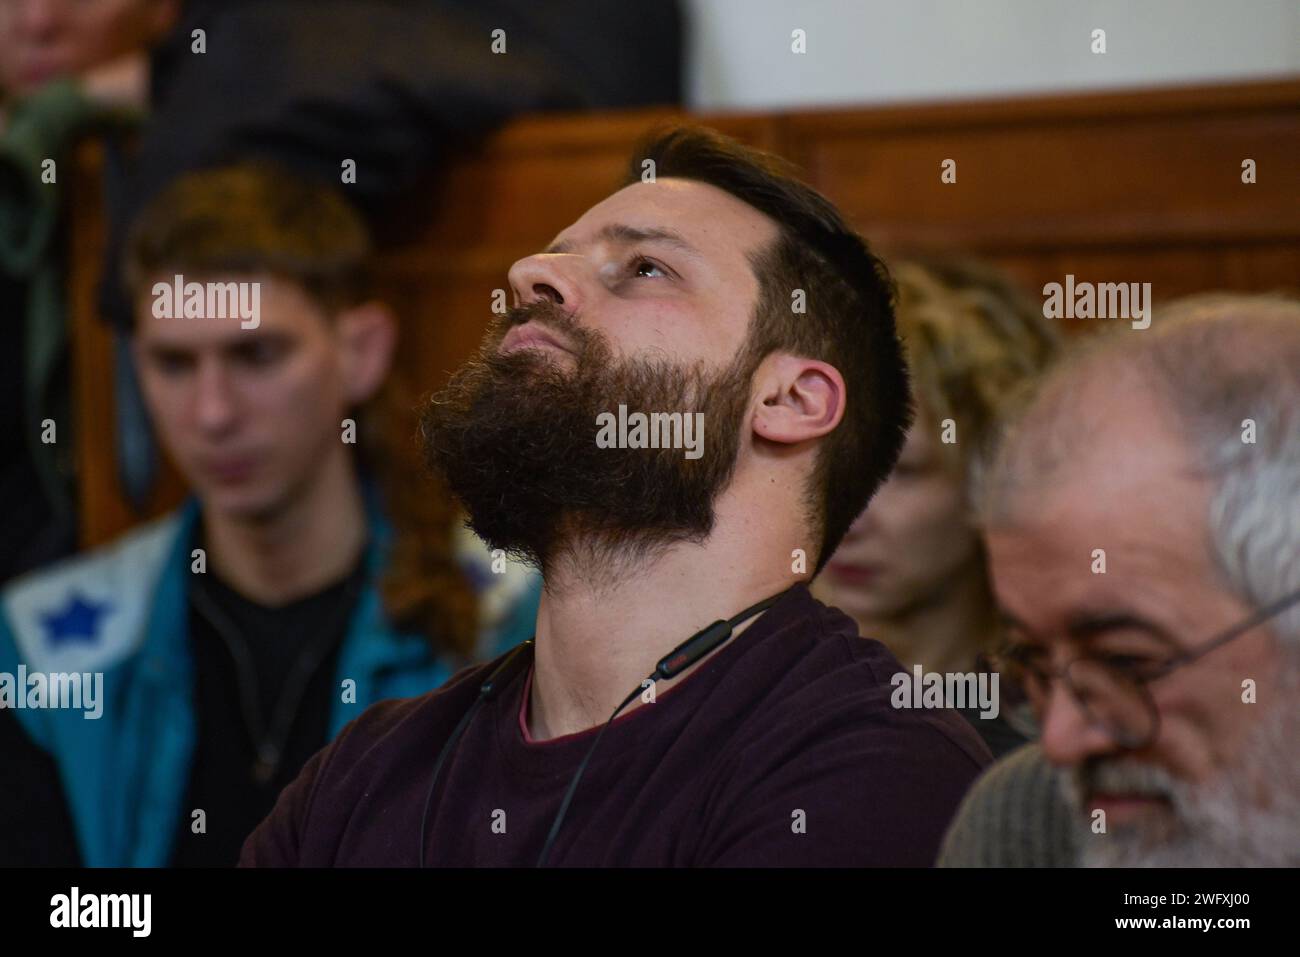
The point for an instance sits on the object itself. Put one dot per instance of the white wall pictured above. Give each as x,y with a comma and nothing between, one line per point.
864,51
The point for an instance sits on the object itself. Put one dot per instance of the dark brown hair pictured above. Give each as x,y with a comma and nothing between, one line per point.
251,218
248,218
849,320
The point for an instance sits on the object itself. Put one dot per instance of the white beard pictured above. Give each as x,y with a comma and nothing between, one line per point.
1244,816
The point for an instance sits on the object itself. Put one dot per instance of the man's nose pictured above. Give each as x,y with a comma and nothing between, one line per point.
548,276
215,405
1067,736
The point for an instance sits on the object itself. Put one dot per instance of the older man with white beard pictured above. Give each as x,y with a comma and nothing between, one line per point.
1143,523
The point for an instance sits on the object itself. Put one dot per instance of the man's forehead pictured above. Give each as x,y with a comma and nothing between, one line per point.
1108,448
1093,542
1144,504
181,332
695,217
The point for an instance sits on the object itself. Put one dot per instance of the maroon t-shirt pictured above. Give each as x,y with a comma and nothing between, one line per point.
780,749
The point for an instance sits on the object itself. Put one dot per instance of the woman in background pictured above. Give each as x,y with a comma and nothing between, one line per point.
912,570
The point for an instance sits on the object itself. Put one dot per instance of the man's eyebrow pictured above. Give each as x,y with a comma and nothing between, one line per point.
627,235
260,337
1083,625
167,349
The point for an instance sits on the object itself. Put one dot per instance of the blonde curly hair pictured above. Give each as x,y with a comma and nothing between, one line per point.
974,344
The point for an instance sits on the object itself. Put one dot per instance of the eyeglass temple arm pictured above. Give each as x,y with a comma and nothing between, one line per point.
1236,631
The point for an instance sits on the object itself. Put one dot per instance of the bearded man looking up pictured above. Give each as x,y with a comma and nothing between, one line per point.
724,290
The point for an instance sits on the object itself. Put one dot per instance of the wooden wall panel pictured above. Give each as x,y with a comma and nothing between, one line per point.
1173,271
1170,180
103,505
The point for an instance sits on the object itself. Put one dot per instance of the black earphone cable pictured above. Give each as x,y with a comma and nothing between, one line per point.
573,784
487,690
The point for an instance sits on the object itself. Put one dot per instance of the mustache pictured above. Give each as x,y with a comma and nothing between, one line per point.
1110,776
550,316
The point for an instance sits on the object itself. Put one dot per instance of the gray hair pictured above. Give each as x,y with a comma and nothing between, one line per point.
1226,367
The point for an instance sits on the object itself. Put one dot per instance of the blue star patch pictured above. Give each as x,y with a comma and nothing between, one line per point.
78,621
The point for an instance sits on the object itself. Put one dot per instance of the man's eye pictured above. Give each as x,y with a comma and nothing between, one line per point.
1021,657
1130,664
260,353
172,363
637,263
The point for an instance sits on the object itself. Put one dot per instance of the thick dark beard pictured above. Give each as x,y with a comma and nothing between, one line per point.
514,437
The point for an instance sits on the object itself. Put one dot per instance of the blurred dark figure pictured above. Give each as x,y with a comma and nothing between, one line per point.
394,85
66,68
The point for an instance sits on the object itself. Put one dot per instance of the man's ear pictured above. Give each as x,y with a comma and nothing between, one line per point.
799,399
367,335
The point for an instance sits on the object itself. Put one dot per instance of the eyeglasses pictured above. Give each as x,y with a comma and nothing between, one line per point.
1114,697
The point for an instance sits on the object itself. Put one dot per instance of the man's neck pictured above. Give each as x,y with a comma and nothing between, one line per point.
598,642
943,634
303,547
